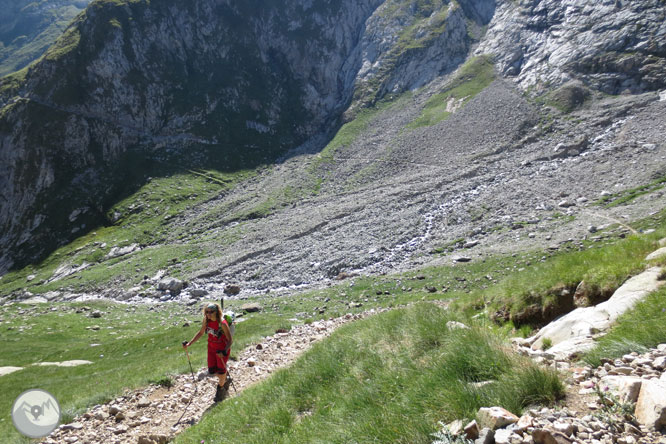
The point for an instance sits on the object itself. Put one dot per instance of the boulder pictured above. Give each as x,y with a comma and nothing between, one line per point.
251,308
543,436
651,404
627,388
122,251
659,363
656,254
486,436
232,290
503,436
495,417
198,292
472,430
172,285
455,427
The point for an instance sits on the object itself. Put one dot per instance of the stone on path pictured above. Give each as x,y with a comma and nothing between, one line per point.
7,370
495,417
543,436
651,404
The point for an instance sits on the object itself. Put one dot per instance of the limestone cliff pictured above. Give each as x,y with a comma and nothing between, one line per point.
136,87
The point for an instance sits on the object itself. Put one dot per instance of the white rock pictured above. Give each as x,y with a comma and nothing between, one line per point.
7,370
656,254
454,325
581,324
563,427
659,363
503,436
651,404
495,417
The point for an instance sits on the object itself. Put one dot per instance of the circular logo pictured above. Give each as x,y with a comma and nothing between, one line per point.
35,413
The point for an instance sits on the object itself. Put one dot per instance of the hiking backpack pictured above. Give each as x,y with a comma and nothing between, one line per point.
230,317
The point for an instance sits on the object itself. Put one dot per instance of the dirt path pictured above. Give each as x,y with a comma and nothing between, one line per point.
150,414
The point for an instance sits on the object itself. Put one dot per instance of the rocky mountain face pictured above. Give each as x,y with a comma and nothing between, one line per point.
613,46
217,83
28,28
135,89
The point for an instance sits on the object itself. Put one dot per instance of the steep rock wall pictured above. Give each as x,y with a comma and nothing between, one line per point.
615,46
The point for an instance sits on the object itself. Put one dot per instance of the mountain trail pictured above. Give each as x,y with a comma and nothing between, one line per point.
150,414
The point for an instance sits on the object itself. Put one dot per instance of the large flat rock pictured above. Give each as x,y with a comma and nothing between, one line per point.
573,333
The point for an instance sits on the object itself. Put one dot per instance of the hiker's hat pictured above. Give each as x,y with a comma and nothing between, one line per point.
212,305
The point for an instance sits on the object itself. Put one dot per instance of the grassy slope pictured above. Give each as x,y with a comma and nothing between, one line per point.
28,38
147,218
406,359
472,78
389,378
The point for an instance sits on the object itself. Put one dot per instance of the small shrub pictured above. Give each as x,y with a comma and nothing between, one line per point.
165,382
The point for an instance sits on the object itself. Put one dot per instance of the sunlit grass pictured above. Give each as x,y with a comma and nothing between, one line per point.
389,378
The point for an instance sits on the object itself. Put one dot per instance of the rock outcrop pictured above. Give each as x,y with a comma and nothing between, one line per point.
615,46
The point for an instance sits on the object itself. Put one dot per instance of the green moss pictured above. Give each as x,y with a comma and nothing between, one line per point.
65,44
10,84
472,78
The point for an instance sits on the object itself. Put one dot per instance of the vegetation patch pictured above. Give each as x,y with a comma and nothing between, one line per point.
545,289
615,199
472,78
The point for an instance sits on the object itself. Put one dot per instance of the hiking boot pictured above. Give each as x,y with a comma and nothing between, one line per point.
227,383
220,393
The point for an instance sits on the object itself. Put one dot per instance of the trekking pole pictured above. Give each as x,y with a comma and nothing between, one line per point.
231,380
193,381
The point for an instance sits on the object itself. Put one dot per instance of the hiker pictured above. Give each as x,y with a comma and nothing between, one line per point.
219,344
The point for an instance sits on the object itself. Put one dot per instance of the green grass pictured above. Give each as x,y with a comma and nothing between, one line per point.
637,330
402,367
542,283
628,195
472,78
389,378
